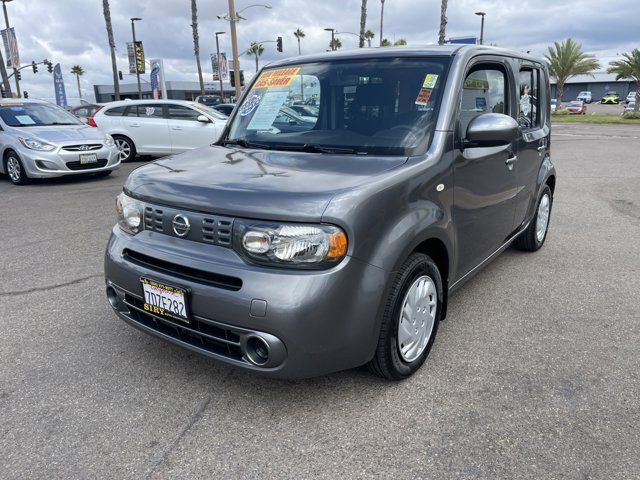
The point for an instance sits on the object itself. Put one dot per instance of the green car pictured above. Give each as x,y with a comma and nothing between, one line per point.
611,98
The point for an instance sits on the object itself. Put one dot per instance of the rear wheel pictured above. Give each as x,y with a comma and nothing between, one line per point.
126,148
14,168
410,320
534,236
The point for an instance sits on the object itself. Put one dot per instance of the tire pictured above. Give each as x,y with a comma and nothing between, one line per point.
15,169
531,239
394,360
126,148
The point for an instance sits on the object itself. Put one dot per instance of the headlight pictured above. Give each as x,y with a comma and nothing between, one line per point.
108,140
290,244
34,144
129,212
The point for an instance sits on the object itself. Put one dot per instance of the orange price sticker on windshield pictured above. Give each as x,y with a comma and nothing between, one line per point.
423,96
280,77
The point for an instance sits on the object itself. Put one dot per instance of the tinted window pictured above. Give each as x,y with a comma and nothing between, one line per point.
147,110
35,114
529,111
179,112
484,91
116,111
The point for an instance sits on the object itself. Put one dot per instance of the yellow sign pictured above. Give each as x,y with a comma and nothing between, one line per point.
139,55
280,77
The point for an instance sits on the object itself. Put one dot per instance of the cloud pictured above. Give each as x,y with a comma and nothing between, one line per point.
73,31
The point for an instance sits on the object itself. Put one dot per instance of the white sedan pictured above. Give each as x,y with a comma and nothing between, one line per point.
159,127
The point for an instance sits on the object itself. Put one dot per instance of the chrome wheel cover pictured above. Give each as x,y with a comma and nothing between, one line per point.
542,220
13,169
124,149
417,318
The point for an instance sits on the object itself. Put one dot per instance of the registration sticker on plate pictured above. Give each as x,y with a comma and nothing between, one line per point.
88,158
166,301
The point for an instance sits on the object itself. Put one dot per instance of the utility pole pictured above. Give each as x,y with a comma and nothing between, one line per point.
218,58
234,47
133,32
333,37
481,14
7,26
381,19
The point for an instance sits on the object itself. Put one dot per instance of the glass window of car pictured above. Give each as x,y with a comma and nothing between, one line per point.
146,110
20,114
529,98
116,111
368,106
180,112
212,112
484,91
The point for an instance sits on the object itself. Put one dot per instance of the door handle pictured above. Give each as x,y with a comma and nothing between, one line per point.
176,128
510,161
134,124
541,148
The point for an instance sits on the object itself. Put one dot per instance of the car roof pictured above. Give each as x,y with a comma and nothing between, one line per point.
23,100
147,102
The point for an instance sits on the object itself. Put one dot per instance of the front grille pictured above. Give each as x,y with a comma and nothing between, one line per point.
206,334
86,166
83,148
205,228
181,271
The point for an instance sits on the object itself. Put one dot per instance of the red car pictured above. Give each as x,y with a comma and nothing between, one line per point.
577,107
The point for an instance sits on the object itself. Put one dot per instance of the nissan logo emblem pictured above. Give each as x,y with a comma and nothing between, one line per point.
180,225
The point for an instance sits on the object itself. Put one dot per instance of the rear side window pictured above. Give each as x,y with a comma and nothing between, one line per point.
180,112
116,111
146,110
529,104
484,91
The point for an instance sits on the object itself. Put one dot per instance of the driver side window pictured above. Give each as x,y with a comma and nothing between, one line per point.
484,91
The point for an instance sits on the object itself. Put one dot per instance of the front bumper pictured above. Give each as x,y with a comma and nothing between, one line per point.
60,162
317,321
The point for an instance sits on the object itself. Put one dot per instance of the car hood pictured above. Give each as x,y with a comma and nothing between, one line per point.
254,183
62,133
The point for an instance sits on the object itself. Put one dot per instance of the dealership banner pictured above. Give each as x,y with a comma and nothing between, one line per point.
58,83
136,57
158,86
214,67
10,47
220,66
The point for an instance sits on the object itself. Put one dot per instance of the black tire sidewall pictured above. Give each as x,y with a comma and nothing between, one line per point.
539,243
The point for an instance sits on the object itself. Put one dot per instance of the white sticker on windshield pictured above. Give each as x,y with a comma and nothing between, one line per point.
249,104
25,120
268,110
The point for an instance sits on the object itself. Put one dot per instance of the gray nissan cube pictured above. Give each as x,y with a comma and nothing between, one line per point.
296,247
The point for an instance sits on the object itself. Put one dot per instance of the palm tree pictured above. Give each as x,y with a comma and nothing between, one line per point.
112,47
566,59
399,42
78,72
628,68
255,49
196,42
335,44
363,22
381,19
443,22
299,33
385,43
368,35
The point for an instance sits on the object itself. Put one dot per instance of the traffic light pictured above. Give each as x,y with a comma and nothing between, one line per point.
279,44
49,67
120,74
232,78
35,67
19,75
26,94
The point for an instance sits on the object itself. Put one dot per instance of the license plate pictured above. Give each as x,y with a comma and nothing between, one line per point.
165,301
88,158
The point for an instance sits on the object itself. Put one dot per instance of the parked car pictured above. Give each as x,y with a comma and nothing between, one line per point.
295,254
554,105
225,108
208,100
41,140
86,112
610,98
584,96
288,120
630,107
308,111
631,97
159,127
577,107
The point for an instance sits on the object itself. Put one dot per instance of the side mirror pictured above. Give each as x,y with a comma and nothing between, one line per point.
203,119
491,130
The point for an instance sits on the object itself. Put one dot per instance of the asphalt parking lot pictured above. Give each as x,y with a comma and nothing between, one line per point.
534,374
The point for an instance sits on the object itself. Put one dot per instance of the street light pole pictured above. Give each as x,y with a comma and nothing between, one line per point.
133,32
333,37
218,58
234,48
6,22
481,14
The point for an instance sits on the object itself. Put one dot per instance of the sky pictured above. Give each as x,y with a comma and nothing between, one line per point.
72,32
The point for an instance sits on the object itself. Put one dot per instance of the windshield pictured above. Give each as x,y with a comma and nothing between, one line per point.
372,106
35,114
575,104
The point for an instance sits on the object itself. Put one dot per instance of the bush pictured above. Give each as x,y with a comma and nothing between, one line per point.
631,115
562,111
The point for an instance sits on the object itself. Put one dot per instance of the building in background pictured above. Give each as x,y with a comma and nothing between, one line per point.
598,85
176,90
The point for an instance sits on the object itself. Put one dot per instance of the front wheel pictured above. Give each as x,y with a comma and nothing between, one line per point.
534,236
14,168
410,320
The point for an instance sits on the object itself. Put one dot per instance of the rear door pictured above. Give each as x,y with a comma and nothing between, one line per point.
485,178
148,128
532,144
186,131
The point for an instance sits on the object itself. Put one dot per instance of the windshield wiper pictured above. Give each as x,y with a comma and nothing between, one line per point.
245,144
312,148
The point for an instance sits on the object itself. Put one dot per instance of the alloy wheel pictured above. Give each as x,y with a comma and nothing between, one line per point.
417,318
14,169
124,149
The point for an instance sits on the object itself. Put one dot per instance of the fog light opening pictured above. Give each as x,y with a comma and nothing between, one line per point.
112,296
258,350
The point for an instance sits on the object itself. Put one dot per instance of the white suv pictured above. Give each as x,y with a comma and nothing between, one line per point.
159,127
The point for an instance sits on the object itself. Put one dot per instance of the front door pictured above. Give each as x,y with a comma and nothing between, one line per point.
186,131
485,177
148,128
